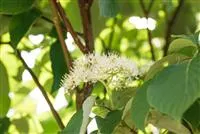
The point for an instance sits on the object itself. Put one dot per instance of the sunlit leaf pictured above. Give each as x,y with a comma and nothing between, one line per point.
73,13
49,124
100,111
4,90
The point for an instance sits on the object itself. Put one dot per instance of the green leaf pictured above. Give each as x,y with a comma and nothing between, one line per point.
73,126
107,125
15,6
20,25
79,121
121,97
100,111
177,45
5,20
108,8
192,116
163,121
163,63
193,37
188,51
175,88
4,90
140,107
4,125
73,13
58,65
127,108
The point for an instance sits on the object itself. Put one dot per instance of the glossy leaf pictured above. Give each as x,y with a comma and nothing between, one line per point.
15,6
106,125
140,107
20,25
4,90
58,65
175,88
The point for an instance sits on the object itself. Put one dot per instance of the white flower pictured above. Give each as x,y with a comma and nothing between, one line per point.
91,68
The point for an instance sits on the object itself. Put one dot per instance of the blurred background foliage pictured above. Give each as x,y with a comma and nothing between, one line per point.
26,110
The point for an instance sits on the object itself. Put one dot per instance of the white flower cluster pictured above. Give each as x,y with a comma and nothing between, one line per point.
110,69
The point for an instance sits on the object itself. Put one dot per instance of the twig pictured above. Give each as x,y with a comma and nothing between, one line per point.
68,59
68,26
84,6
146,13
54,112
63,28
170,24
47,19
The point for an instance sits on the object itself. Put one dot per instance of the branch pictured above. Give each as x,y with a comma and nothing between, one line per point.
81,95
84,6
68,26
68,59
146,13
170,24
54,112
64,30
